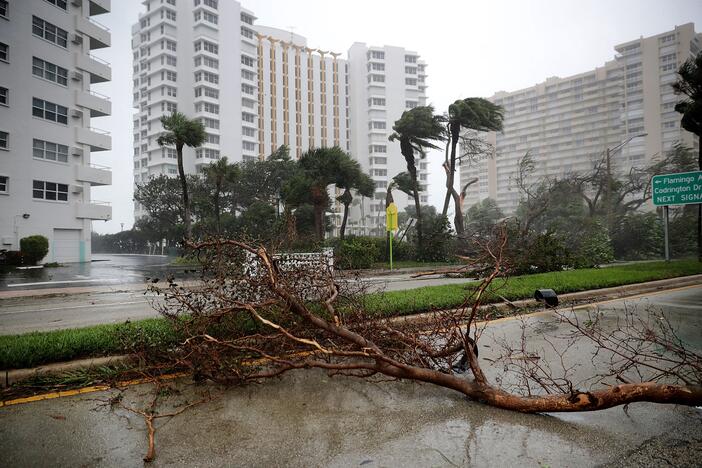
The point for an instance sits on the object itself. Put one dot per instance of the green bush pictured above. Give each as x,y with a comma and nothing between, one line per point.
34,248
595,246
638,236
539,253
355,253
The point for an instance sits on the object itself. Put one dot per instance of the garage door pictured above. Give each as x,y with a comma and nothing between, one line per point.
66,245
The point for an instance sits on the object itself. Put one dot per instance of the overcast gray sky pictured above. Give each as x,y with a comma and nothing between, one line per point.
472,49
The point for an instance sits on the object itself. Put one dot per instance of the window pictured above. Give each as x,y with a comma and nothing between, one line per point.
376,101
248,61
49,71
170,91
49,191
248,146
4,184
170,45
206,61
59,3
246,117
247,89
248,74
50,151
214,139
208,92
170,14
379,172
378,149
377,66
4,96
210,77
170,60
248,131
207,107
411,81
411,58
3,9
246,32
377,125
210,123
169,153
4,52
48,31
410,104
377,54
376,78
170,76
380,160
49,111
169,107
207,16
206,46
411,70
248,19
4,140
206,153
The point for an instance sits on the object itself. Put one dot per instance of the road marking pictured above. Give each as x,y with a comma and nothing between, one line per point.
84,306
108,280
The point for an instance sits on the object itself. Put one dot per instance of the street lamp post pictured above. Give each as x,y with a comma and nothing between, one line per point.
16,227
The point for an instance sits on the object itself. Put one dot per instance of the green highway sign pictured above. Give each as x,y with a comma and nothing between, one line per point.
684,188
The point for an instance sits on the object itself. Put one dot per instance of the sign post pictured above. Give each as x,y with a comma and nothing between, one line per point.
684,188
391,224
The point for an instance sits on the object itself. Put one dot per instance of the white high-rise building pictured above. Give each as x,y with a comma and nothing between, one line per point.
46,136
383,83
200,58
256,88
567,124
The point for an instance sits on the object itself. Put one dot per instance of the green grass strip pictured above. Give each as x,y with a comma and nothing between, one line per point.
32,349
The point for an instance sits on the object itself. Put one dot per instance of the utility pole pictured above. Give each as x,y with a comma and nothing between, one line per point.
608,193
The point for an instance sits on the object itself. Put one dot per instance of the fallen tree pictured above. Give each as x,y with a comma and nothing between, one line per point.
244,327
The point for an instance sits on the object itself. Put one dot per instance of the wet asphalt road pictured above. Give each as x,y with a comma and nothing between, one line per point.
309,419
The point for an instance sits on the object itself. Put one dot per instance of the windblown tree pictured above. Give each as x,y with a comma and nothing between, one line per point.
181,131
317,169
478,115
221,177
417,130
351,178
305,319
689,84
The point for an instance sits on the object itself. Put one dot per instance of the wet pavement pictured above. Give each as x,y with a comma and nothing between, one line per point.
103,270
308,419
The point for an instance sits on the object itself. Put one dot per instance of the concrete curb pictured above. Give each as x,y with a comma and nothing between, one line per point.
15,375
618,292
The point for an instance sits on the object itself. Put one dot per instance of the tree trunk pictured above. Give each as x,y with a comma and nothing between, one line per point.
319,221
451,171
342,230
186,198
408,152
699,210
458,216
218,188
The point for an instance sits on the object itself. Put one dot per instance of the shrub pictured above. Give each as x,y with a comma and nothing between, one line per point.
595,246
539,253
638,236
34,248
355,253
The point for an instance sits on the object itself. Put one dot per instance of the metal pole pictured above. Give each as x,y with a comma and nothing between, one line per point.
665,233
391,236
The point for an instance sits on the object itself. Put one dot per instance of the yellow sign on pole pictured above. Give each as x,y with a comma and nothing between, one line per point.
391,217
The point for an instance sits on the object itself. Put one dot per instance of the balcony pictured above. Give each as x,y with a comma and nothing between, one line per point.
94,210
98,104
96,175
98,69
99,34
98,140
99,7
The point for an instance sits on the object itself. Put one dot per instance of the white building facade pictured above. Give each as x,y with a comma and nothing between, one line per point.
383,83
567,124
200,58
48,146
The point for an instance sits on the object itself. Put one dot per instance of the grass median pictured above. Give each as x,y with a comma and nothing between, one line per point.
33,349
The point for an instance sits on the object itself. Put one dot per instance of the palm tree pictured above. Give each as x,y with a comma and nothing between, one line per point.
417,130
181,131
220,175
689,84
476,114
318,169
351,177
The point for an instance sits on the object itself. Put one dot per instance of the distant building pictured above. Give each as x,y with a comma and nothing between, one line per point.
46,138
567,124
256,88
383,83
